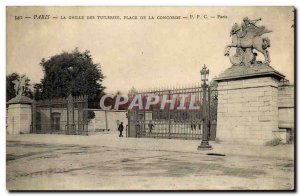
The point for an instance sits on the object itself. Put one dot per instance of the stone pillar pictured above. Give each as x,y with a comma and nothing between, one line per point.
248,105
19,115
70,115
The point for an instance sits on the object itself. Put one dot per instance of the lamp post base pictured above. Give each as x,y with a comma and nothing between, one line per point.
204,145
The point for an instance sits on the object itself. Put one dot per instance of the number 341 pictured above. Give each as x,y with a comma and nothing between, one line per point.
18,17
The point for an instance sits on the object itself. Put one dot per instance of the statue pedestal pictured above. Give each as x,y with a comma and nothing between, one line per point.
248,104
19,115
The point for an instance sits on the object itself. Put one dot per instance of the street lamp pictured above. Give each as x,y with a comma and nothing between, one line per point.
205,140
204,74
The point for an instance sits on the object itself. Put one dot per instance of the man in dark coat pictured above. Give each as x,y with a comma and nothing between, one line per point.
150,126
120,128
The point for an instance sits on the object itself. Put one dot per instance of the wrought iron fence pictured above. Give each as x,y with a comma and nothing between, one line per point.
171,122
61,116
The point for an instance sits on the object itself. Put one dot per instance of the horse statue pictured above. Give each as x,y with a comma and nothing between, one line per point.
247,39
19,85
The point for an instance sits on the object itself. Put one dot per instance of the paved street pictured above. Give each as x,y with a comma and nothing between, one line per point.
105,161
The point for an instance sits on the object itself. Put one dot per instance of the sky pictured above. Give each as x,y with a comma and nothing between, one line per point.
143,53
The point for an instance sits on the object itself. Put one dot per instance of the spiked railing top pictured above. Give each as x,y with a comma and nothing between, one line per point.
57,101
168,89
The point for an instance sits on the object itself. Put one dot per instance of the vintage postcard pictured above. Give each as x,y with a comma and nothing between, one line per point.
150,98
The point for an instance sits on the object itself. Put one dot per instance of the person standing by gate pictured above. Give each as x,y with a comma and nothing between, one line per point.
150,126
120,128
199,125
192,125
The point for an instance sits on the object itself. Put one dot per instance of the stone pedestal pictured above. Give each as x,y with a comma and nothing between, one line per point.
19,115
248,104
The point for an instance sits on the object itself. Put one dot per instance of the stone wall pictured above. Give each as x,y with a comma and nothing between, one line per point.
106,119
247,110
44,119
286,105
286,111
18,119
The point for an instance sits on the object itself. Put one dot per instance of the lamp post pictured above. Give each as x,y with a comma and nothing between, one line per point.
205,140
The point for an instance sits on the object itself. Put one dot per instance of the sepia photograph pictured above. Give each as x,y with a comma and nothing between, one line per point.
150,98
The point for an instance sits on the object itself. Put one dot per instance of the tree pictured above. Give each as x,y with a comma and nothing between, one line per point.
71,73
37,93
10,90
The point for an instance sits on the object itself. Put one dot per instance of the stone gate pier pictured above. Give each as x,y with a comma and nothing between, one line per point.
19,115
248,104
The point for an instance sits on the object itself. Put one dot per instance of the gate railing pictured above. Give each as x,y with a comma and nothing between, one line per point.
173,123
61,116
168,123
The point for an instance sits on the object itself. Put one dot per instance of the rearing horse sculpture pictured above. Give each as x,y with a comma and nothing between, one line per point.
252,40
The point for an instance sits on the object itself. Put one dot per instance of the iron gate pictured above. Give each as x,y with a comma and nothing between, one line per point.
60,116
173,123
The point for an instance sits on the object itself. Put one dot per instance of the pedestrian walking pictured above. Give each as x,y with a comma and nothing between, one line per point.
120,129
150,126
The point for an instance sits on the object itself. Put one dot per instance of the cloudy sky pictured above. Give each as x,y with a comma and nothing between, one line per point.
143,53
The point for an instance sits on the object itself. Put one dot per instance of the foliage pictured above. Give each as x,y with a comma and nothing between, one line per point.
91,115
37,92
10,90
111,101
71,73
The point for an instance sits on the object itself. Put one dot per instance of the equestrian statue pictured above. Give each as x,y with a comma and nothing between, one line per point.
245,38
19,85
